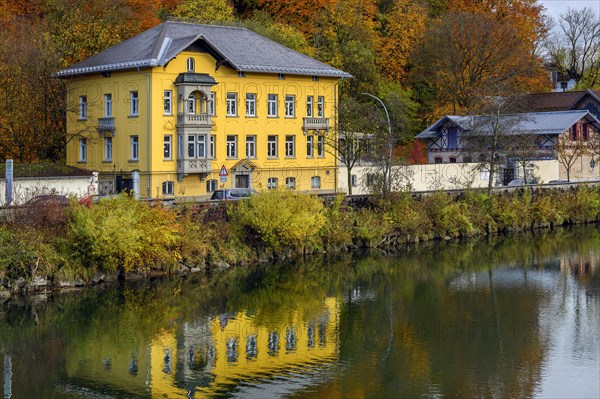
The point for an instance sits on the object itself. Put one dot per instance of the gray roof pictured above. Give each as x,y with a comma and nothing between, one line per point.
547,123
239,48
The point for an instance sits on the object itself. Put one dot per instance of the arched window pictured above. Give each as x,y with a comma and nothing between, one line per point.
191,67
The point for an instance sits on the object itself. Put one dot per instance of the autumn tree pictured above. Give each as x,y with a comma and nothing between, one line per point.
204,11
575,47
287,35
466,56
568,152
32,107
355,133
400,29
82,28
346,39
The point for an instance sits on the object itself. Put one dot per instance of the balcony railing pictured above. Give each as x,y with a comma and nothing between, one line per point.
195,165
198,120
107,123
315,124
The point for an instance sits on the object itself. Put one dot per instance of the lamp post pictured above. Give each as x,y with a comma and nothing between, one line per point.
387,172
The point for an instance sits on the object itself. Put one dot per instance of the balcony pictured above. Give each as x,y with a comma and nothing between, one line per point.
194,120
315,124
195,165
106,124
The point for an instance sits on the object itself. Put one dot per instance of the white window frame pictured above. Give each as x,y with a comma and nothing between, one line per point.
201,146
168,187
210,107
290,146
82,107
168,147
231,104
108,111
315,182
272,146
353,180
211,185
320,146
134,103
320,107
82,150
272,105
251,146
309,106
310,146
212,149
108,148
190,64
251,104
290,108
231,146
191,147
290,183
168,102
134,147
272,183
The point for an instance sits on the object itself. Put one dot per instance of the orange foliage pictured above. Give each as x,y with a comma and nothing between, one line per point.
302,15
401,31
413,153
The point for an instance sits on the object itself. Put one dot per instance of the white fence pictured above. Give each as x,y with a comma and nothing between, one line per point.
27,188
445,176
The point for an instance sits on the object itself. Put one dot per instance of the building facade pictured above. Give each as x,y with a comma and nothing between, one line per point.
522,139
195,108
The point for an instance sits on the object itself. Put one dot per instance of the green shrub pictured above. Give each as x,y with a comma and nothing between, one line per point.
370,227
337,229
27,252
281,218
583,204
124,234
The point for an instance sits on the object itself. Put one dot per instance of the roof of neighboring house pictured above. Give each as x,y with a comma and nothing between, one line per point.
239,48
558,101
43,170
527,123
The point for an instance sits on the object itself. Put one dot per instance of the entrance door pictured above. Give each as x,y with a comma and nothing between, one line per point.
242,181
509,175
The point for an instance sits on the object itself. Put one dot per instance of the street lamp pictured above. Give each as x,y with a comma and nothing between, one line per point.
387,173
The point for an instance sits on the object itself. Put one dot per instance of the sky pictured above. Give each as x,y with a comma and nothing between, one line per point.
557,7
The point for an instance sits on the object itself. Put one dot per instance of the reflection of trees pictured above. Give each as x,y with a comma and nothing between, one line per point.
402,327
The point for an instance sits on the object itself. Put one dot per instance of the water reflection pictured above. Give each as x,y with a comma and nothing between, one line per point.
500,317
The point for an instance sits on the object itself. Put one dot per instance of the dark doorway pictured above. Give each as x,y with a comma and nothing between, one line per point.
242,181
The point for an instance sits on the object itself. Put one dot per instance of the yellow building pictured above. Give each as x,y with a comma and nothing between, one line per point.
181,101
208,356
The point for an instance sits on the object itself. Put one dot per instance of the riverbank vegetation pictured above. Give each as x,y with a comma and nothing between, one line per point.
123,237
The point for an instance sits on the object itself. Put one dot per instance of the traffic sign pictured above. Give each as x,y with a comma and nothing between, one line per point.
223,172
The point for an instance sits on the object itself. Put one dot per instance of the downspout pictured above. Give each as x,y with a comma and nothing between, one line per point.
148,132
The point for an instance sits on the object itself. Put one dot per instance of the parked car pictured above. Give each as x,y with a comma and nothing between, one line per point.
522,182
559,182
46,200
232,194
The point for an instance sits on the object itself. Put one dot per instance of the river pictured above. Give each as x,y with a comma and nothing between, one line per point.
497,317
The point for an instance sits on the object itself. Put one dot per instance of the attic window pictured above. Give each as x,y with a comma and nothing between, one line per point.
281,76
241,74
191,65
315,78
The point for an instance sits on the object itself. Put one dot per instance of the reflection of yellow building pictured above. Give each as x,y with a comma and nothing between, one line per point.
208,356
